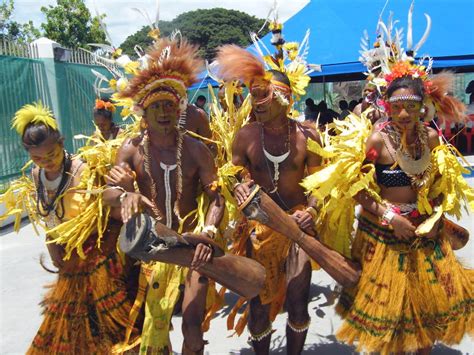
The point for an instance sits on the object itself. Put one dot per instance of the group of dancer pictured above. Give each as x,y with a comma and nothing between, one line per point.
194,177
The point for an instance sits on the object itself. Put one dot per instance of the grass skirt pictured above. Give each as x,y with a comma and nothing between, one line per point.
411,293
86,310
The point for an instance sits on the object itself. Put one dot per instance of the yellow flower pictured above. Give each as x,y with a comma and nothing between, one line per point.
132,67
113,84
117,53
154,33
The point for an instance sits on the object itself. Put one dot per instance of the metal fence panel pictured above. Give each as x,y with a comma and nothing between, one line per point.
23,81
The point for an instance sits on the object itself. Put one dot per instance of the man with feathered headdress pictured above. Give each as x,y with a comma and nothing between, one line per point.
272,153
171,169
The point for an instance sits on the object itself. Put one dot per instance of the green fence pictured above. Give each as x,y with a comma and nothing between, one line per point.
24,81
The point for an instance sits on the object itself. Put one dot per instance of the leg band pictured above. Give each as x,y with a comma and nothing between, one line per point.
262,335
299,328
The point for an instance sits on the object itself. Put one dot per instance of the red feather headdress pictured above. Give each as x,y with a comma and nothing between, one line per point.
171,67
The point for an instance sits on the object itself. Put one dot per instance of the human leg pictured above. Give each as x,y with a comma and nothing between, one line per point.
194,308
299,280
260,327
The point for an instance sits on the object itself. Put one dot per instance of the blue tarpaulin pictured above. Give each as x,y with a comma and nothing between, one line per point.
337,25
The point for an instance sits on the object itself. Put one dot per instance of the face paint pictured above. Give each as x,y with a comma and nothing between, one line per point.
404,113
49,155
103,123
162,116
265,105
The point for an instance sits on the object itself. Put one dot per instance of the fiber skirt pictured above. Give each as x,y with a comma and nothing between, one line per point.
86,310
411,293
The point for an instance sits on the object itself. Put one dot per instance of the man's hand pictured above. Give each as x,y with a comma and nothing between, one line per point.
304,219
402,227
202,255
242,191
132,204
121,176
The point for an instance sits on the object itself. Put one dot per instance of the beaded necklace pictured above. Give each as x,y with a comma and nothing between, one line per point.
418,165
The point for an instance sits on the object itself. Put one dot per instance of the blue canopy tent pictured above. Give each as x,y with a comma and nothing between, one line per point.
337,25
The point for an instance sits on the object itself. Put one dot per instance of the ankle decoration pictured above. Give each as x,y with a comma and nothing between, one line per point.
262,335
299,328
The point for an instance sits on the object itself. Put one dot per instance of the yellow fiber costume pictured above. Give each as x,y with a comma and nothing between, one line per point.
86,309
411,293
271,249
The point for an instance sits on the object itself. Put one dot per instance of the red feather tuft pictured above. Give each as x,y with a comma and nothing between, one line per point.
235,63
183,60
448,108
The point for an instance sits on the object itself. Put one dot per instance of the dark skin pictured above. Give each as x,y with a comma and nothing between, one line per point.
106,127
197,121
404,116
49,156
198,169
247,151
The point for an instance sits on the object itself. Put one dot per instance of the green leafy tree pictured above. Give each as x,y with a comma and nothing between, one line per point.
12,30
206,28
70,23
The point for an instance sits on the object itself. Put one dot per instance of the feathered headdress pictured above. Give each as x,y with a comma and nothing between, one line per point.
235,63
172,66
104,105
392,61
34,113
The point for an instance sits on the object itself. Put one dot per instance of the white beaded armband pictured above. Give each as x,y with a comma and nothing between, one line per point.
211,230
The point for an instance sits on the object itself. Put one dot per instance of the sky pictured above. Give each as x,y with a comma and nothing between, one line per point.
122,21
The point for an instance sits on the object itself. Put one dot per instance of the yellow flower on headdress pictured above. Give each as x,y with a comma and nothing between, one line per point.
298,79
274,25
292,49
33,113
113,84
132,67
117,53
155,34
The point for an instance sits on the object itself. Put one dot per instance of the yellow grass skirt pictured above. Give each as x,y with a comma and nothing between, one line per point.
86,310
410,294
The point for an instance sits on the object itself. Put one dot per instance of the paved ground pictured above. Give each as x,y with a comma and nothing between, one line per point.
22,280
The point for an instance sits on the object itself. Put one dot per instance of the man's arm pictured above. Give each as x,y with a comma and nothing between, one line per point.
124,160
208,178
306,218
239,158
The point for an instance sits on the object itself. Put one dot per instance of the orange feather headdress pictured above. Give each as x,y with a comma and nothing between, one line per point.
171,66
235,63
395,62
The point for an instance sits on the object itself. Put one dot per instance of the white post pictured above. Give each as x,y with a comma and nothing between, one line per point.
43,48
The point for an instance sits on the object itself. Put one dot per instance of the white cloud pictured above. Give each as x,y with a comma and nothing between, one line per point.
122,21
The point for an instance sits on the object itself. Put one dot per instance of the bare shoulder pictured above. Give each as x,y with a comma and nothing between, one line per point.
375,140
357,110
248,130
194,113
308,129
196,148
433,138
128,149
